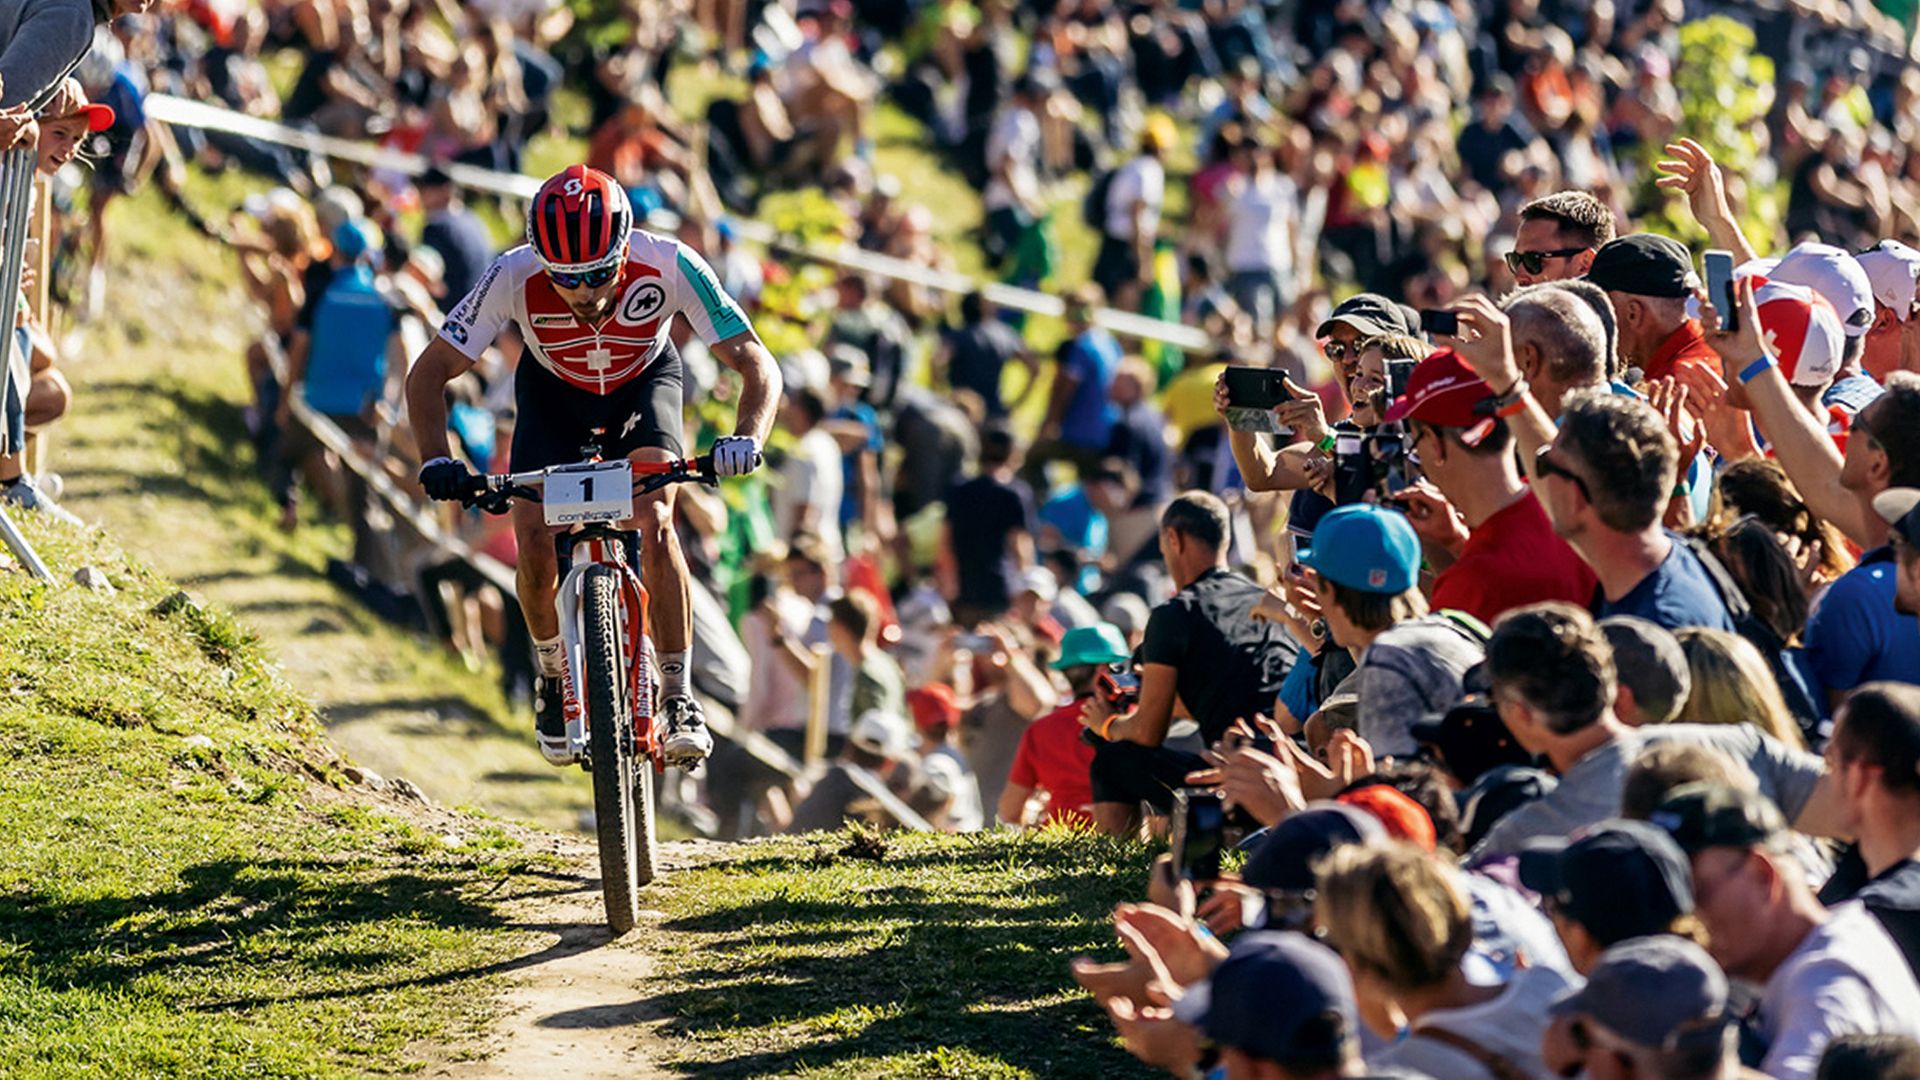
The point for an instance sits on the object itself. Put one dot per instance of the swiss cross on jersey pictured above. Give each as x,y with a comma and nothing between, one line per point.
662,277
598,358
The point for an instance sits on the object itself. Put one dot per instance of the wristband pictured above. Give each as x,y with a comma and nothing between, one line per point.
1107,728
1752,371
1326,444
1682,490
1513,402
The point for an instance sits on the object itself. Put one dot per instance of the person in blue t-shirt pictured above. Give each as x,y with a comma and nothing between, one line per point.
1857,636
1080,414
339,366
1606,480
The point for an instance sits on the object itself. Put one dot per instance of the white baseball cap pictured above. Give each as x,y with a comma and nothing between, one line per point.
878,731
1833,274
1801,329
1892,267
1039,581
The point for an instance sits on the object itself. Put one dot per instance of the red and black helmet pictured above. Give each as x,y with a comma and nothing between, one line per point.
579,221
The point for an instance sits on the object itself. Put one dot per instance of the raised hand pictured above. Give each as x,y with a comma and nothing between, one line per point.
1485,342
1692,171
1305,415
1433,518
1669,398
1742,345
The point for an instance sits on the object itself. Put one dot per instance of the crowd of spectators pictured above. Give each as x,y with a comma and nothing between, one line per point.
1544,664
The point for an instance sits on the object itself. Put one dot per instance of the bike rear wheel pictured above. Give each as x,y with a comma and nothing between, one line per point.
622,787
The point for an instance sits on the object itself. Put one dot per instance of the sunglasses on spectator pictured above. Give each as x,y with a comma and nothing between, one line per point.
1544,464
592,279
1533,262
1337,351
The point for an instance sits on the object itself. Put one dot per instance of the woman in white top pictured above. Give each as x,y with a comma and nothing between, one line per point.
1403,919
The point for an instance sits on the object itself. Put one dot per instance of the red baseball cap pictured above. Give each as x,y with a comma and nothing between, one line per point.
1404,818
935,707
70,101
1443,391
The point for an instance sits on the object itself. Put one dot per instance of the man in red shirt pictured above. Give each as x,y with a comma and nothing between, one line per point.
1649,279
1052,755
1483,525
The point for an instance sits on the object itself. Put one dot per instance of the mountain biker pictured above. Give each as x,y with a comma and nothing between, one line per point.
594,298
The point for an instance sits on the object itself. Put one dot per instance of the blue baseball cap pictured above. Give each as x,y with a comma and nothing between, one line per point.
1282,996
352,239
1365,547
1620,879
1284,857
1662,992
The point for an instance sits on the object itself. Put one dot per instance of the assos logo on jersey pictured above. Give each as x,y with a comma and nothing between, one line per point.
643,302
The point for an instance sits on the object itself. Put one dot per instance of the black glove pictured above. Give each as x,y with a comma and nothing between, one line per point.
445,478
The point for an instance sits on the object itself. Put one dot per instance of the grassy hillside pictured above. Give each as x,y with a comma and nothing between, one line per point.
186,886
924,956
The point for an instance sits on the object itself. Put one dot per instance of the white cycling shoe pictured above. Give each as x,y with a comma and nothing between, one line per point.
688,741
550,720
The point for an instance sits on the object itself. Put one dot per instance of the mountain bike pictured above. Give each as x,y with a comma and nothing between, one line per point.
602,605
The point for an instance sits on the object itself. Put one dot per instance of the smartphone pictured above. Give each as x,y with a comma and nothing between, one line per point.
1399,374
1119,685
1719,267
1199,833
1252,392
1445,323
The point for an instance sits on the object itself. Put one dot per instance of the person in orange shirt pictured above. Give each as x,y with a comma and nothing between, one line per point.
1649,279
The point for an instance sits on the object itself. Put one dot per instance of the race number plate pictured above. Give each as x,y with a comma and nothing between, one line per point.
578,494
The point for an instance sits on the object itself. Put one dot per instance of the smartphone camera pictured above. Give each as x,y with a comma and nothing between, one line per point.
1118,686
1440,323
1199,833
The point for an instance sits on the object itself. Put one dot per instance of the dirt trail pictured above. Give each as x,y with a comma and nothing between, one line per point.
578,1010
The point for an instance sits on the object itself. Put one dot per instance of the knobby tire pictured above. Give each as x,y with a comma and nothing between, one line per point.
622,788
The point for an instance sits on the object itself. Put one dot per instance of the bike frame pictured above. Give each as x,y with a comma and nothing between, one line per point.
581,547
601,545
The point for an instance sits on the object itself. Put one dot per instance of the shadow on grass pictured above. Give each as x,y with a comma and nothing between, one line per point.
945,952
248,916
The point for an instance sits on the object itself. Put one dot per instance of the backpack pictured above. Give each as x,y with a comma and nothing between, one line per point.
1093,209
1761,636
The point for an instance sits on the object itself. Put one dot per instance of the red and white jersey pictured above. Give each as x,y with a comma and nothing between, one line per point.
663,277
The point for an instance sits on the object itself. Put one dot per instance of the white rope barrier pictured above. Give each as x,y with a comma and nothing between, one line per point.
181,111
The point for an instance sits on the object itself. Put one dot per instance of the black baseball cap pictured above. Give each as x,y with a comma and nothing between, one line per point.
1282,996
435,176
1372,315
1703,815
1644,264
1471,740
1620,879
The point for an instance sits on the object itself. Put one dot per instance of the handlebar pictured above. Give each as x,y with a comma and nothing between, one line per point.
496,493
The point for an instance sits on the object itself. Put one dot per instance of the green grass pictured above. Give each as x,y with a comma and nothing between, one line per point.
947,957
183,892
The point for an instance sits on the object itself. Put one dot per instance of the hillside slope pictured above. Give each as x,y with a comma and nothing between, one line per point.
189,886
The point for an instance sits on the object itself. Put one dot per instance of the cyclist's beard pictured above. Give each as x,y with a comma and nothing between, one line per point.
595,310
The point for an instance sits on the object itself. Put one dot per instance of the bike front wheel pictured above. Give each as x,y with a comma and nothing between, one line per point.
622,787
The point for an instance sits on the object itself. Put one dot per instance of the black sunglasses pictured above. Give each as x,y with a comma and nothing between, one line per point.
1546,466
1533,262
592,279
